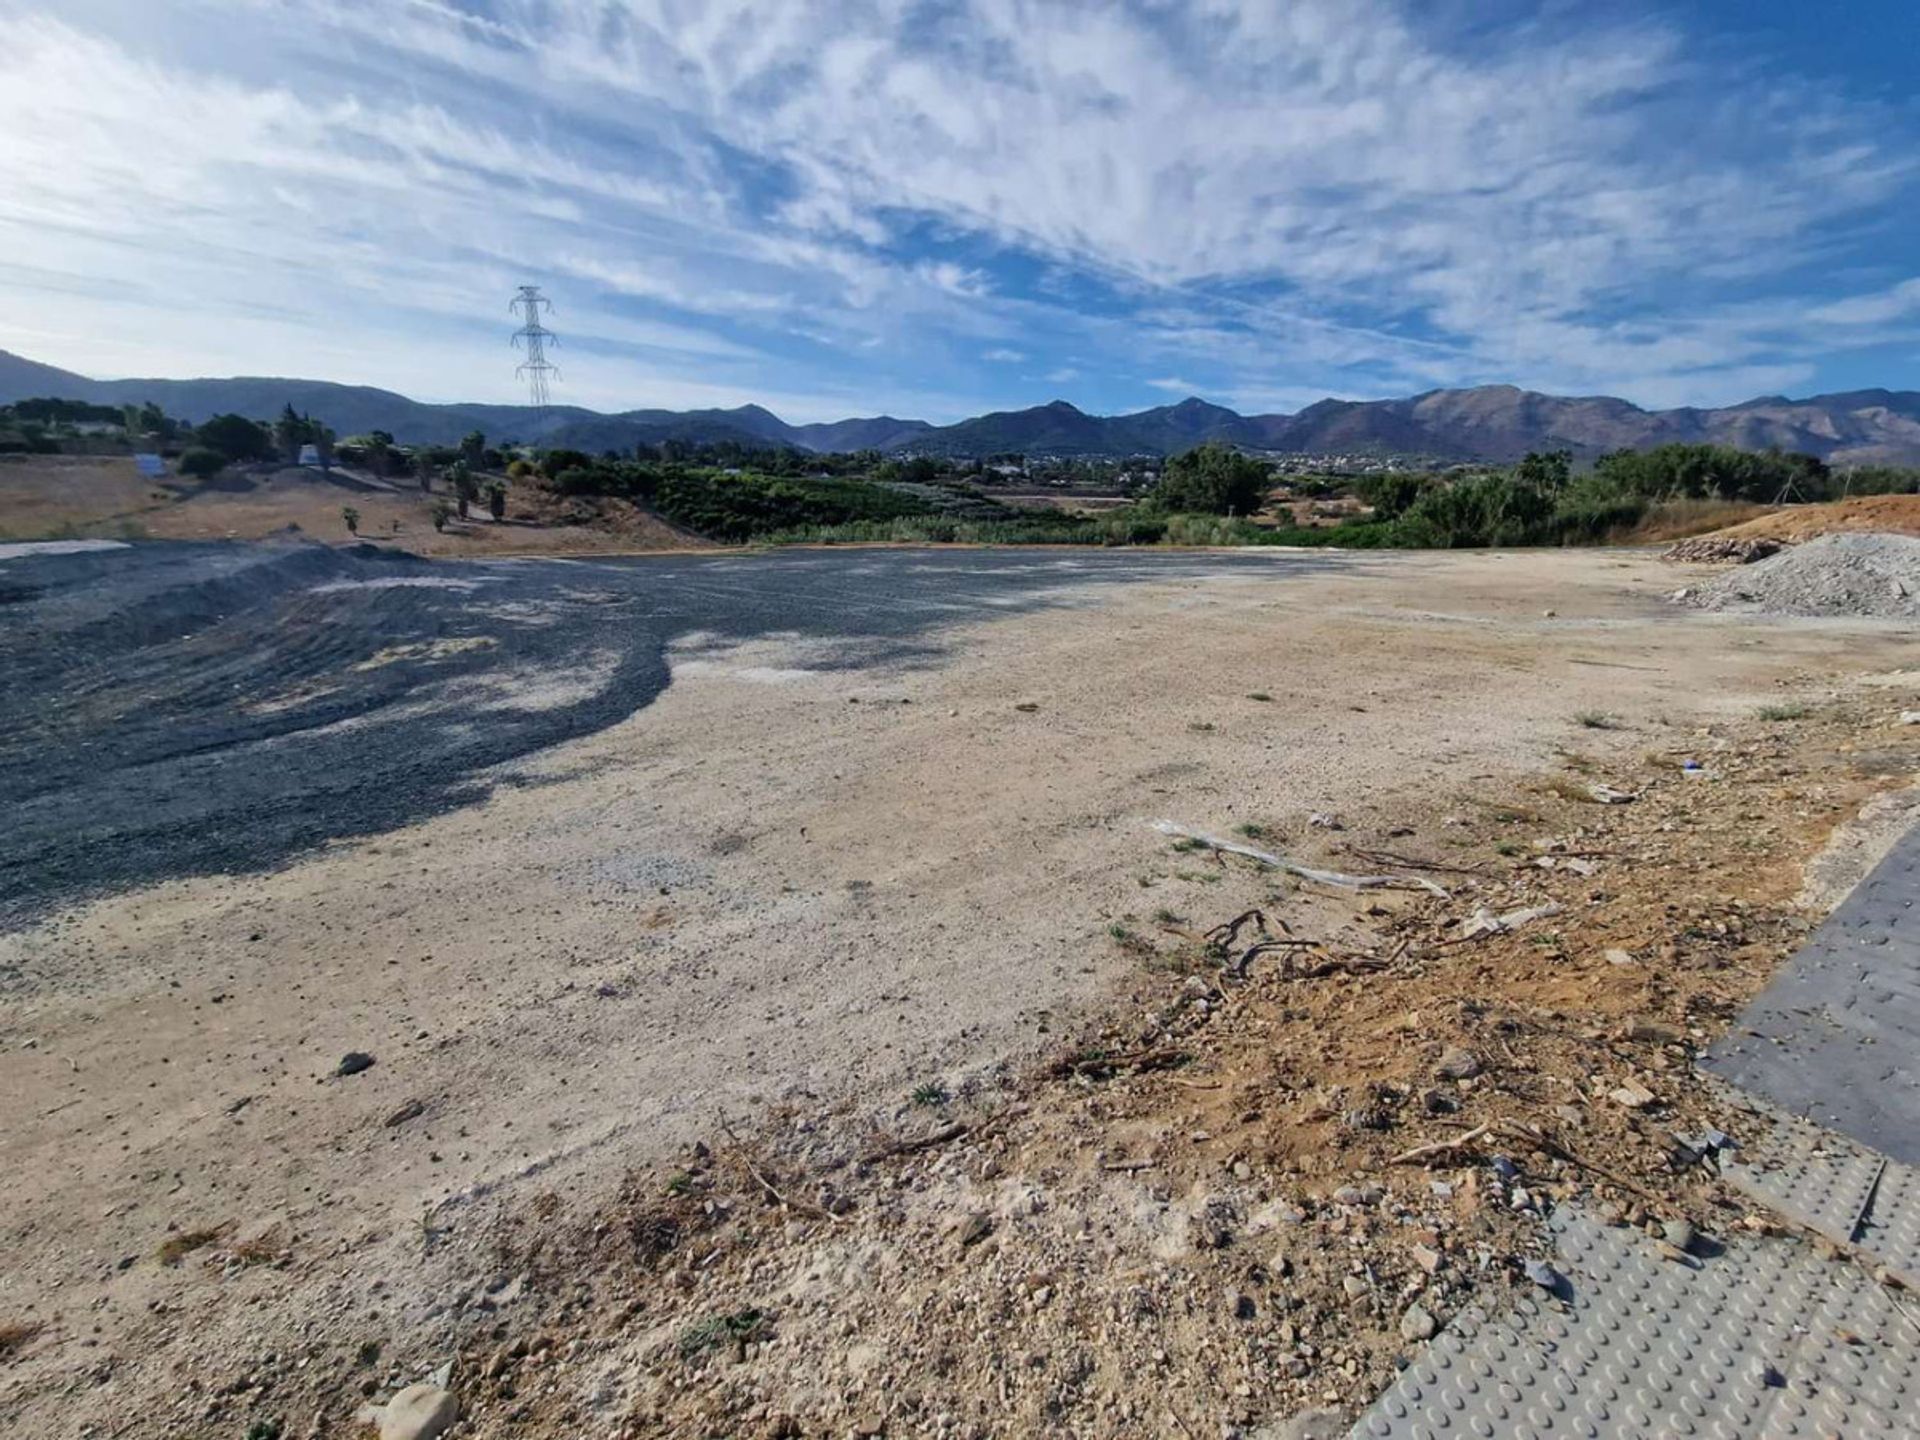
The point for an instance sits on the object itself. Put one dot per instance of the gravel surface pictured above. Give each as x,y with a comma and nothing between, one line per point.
886,832
1857,575
176,709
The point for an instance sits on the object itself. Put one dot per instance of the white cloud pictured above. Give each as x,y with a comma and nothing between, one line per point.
1284,199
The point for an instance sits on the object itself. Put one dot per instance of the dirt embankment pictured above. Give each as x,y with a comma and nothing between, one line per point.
90,496
1892,514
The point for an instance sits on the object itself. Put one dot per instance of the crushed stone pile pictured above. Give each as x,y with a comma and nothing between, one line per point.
1845,574
1713,548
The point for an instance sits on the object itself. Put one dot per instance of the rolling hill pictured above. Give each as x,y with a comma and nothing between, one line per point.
1488,422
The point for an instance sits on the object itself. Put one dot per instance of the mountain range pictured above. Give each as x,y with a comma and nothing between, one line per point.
1487,422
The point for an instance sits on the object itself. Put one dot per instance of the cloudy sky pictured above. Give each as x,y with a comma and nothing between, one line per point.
933,209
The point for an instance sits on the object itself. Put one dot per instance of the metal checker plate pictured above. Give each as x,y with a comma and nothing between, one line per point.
1891,1234
1836,1036
1812,1176
1648,1348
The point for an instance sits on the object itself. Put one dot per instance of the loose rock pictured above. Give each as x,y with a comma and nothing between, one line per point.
419,1412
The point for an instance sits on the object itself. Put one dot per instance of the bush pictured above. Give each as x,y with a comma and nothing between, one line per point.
202,463
1391,495
235,437
1213,479
1715,472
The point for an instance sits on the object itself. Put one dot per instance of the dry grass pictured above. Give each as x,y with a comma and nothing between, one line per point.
178,1246
1677,519
15,1335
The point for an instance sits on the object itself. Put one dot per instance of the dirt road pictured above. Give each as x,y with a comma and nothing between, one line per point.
871,837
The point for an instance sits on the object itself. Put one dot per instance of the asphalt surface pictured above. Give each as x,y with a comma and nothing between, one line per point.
181,709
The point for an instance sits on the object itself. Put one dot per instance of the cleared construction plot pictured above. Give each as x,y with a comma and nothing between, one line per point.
749,995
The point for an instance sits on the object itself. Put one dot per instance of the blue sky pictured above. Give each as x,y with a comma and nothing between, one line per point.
933,209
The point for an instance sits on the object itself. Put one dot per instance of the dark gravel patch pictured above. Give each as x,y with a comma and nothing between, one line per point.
181,709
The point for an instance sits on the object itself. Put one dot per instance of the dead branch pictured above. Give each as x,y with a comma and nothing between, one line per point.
1421,1154
1343,965
1240,967
943,1136
805,1207
1410,862
1164,1057
1305,872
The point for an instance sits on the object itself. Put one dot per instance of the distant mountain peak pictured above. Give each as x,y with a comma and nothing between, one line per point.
1485,422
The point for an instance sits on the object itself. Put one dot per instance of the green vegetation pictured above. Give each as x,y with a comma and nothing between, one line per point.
201,463
932,1095
1213,479
235,437
1791,710
736,1329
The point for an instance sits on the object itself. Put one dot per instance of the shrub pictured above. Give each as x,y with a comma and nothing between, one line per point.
202,463
235,437
1213,479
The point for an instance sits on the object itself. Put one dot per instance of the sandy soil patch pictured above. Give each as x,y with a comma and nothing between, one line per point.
1897,514
78,496
793,896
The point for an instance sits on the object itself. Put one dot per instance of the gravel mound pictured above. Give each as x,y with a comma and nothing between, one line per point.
1716,548
1846,574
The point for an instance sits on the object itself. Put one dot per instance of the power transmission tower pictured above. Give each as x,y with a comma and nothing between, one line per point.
533,336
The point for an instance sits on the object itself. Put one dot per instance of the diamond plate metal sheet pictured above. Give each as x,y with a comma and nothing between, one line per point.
1763,1340
1811,1176
1836,1036
1891,1232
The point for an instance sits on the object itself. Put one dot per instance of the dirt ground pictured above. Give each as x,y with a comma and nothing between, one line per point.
93,496
1898,514
902,952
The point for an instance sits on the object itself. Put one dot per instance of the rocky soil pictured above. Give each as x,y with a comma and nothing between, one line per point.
1853,575
835,1043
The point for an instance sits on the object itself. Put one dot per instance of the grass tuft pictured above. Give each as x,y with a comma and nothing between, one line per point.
177,1247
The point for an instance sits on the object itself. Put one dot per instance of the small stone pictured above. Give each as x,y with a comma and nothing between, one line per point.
1570,1115
1619,957
1417,1324
1458,1063
1679,1234
352,1063
1242,1170
1355,1286
1657,1032
973,1229
419,1412
1633,1095
1427,1258
1544,1275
